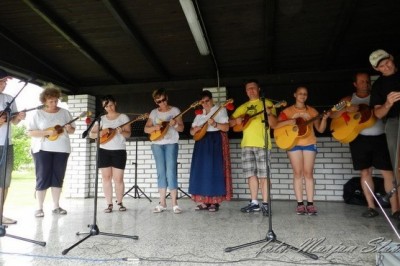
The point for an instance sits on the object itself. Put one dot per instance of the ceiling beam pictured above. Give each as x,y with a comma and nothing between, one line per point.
28,50
236,81
269,24
128,26
72,37
339,32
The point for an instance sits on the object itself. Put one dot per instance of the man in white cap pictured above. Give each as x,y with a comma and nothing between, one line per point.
385,98
6,168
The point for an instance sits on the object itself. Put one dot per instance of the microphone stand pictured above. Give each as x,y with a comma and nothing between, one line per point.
4,160
94,229
271,236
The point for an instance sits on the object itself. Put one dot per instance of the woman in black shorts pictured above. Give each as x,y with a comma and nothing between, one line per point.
112,153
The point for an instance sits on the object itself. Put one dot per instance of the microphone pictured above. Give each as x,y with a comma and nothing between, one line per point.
262,95
388,195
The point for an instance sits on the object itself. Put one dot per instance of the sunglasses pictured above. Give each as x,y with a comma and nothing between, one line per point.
160,101
205,101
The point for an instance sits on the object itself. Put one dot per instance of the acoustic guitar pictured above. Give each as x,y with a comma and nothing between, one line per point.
113,131
247,119
159,134
60,129
286,137
25,110
346,127
200,134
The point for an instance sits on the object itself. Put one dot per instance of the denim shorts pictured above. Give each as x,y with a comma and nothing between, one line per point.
312,147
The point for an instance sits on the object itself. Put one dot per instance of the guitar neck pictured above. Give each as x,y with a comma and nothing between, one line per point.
313,119
26,110
216,112
134,120
182,113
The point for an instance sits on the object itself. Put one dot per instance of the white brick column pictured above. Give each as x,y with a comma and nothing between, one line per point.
219,94
77,178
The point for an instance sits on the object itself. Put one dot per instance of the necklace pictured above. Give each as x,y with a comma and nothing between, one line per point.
299,108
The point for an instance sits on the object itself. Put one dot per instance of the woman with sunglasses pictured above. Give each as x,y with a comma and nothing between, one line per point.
112,154
165,148
210,173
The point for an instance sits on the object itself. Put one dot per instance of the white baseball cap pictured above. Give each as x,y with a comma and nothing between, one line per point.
377,56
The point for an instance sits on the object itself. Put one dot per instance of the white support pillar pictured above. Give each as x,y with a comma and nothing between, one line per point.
77,178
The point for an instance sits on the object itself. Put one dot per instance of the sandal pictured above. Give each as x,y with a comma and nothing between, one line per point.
109,208
213,208
59,210
370,213
176,209
39,213
159,209
121,207
202,207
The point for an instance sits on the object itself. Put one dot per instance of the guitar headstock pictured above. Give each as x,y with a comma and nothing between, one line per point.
227,102
340,106
85,113
195,104
143,116
280,104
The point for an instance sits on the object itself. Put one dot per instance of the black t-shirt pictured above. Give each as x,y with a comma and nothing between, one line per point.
381,88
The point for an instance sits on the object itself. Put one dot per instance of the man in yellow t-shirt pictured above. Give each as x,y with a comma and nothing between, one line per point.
254,157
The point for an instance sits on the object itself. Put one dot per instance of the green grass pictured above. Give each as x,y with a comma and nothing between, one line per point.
22,189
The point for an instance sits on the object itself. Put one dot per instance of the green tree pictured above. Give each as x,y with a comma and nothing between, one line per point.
22,143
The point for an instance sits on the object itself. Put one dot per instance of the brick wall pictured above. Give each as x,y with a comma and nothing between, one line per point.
333,166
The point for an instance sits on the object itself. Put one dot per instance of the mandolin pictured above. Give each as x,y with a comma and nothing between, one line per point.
159,134
60,129
247,119
200,134
286,137
113,131
346,127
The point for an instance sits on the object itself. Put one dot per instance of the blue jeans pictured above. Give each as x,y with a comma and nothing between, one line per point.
166,157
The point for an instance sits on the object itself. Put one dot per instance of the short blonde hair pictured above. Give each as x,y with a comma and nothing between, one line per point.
50,91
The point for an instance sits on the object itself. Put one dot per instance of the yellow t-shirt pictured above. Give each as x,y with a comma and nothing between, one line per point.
254,133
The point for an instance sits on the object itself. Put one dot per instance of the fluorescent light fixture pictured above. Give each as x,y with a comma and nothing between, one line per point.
194,24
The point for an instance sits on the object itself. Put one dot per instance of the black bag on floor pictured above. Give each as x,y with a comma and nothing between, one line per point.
353,192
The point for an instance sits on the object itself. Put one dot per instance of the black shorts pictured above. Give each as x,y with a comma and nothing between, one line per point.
112,158
6,168
50,169
367,151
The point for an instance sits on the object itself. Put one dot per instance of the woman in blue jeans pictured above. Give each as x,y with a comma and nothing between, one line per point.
163,125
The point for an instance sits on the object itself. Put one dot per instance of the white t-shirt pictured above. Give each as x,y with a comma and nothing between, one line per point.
4,99
42,120
220,117
118,141
157,117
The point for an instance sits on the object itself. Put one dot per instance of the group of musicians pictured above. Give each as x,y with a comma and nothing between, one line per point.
356,119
